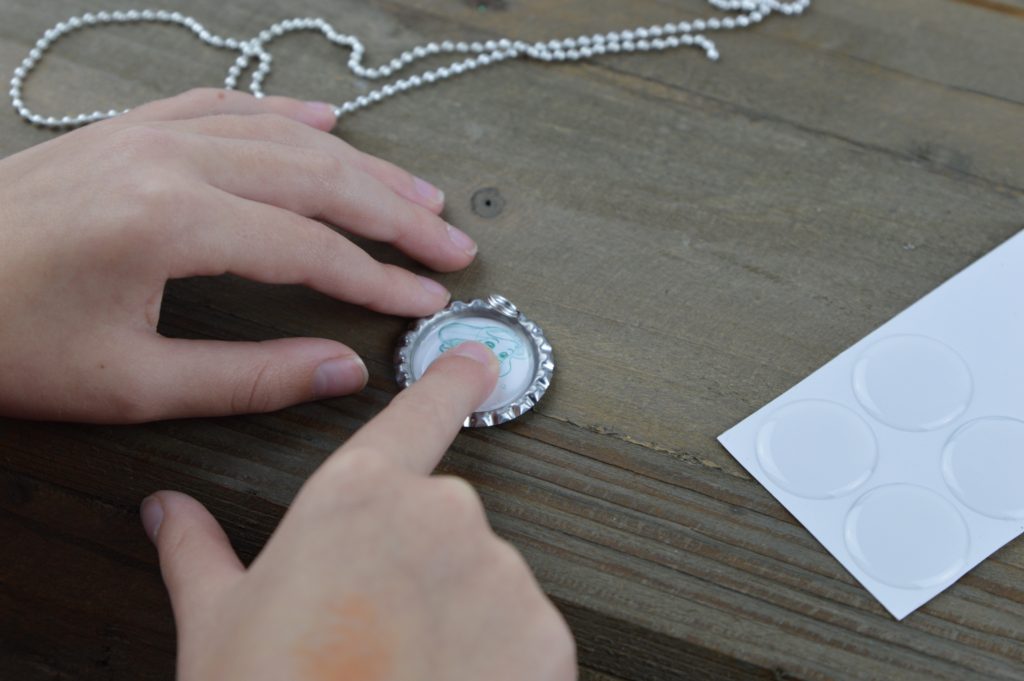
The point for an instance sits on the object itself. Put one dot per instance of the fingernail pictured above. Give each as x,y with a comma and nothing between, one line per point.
428,191
462,240
316,113
434,288
478,352
341,376
152,512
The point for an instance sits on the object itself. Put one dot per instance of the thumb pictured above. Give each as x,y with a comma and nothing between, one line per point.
188,378
196,558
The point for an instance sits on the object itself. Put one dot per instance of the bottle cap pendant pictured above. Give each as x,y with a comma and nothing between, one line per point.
524,353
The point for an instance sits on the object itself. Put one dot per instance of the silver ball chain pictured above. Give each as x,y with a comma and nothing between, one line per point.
644,39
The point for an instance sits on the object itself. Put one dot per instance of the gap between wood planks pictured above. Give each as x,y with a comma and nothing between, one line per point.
994,6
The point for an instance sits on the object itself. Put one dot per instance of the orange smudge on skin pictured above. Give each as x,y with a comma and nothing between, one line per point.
349,644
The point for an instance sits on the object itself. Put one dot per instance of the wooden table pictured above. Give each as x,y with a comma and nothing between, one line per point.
694,237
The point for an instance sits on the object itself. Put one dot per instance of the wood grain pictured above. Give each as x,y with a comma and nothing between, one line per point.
694,237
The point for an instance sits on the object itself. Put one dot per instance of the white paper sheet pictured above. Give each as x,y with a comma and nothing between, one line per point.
904,455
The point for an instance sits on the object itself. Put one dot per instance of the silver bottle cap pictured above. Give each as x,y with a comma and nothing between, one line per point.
525,355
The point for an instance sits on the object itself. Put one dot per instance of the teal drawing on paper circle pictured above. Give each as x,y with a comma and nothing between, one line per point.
505,344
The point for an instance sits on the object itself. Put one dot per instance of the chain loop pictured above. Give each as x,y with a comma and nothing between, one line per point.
486,53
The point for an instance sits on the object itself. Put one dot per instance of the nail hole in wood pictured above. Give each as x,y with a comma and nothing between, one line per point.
488,202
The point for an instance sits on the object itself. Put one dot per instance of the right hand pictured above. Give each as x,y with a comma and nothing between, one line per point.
378,572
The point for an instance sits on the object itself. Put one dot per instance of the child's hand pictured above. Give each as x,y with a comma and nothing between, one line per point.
377,572
94,223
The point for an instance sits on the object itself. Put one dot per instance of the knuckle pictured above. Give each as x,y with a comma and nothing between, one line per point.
347,481
178,540
142,143
353,481
148,181
153,199
358,466
443,523
410,220
269,122
380,290
387,172
393,173
254,392
327,169
458,503
266,125
153,193
351,473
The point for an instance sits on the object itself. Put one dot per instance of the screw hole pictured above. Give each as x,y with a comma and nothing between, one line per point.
488,202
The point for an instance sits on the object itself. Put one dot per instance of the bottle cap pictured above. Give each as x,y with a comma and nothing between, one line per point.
524,353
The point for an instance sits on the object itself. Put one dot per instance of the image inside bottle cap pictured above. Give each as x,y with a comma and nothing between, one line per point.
524,355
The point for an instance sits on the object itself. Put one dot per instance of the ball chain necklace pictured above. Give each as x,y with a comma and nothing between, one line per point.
253,53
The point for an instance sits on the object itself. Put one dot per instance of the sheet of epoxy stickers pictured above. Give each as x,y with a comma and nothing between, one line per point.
904,455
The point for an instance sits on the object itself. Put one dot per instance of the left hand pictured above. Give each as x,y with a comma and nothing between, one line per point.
94,223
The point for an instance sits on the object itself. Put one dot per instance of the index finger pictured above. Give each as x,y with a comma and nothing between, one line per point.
416,429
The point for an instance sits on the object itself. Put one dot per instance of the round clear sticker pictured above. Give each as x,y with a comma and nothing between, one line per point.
524,354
